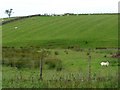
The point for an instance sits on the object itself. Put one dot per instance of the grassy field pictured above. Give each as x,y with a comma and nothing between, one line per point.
72,72
61,31
69,42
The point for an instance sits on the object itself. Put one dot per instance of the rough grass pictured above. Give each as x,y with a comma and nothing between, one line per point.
61,31
73,75
29,78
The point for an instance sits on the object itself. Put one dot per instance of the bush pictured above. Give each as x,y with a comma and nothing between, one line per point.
56,53
53,63
105,55
86,42
19,64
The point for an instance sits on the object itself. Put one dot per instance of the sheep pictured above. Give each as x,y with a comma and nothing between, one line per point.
16,27
104,63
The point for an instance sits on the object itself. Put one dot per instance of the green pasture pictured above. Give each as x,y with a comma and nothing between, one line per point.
62,31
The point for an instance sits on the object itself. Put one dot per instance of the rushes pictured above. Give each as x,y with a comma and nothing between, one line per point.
23,70
58,80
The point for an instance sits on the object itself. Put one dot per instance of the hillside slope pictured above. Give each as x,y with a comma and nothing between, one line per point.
83,30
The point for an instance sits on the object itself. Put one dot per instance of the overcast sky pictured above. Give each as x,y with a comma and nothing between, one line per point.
28,7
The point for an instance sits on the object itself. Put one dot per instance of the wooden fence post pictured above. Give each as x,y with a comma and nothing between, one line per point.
89,67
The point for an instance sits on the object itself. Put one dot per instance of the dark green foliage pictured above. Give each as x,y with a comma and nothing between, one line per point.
105,55
86,42
88,53
56,53
22,57
53,63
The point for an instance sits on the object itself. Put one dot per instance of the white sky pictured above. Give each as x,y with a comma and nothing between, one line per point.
28,7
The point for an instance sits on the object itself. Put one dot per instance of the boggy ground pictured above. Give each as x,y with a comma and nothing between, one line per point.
62,68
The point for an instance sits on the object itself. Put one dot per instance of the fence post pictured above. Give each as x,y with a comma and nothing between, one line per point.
41,66
42,52
89,67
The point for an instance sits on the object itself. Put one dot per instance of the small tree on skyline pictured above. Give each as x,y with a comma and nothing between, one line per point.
8,12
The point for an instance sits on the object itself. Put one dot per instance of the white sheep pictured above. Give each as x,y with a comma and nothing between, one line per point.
104,63
16,27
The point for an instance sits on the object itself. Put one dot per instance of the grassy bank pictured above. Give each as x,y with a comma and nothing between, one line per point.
62,31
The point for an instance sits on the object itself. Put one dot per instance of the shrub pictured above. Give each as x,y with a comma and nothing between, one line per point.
66,51
88,53
105,56
86,42
56,53
20,64
53,63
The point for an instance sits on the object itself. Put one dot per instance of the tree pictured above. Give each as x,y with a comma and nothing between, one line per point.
8,12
